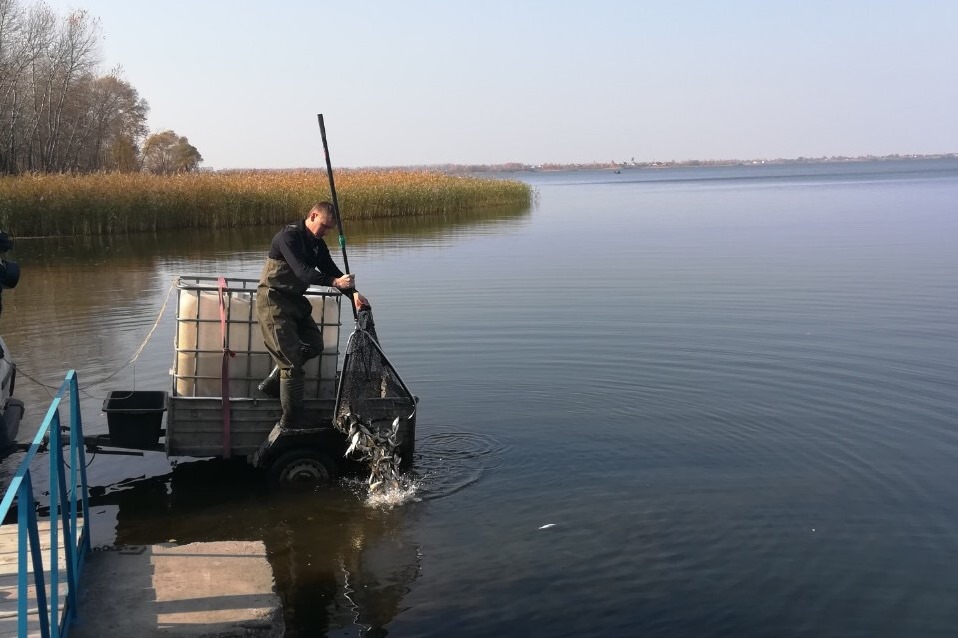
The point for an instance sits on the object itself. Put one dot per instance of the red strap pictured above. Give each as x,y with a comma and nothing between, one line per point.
225,372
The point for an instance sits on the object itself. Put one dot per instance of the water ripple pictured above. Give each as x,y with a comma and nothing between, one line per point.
448,461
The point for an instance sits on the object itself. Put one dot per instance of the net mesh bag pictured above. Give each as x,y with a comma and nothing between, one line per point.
372,402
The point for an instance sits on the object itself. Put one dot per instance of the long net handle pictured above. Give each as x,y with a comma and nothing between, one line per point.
332,190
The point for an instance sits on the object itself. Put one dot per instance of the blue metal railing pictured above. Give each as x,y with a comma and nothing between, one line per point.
64,504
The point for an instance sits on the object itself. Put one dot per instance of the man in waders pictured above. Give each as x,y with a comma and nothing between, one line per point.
298,258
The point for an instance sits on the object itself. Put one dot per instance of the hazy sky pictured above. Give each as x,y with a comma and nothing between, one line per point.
428,82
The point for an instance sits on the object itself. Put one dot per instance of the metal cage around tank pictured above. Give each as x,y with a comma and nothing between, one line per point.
218,336
211,318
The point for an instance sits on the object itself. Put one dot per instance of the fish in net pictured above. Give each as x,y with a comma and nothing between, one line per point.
374,408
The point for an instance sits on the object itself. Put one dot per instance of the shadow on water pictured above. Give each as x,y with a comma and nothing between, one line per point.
337,565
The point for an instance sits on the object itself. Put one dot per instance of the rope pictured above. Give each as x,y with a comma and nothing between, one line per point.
130,362
21,371
139,350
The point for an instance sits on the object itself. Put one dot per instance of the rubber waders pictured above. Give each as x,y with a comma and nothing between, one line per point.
270,385
291,391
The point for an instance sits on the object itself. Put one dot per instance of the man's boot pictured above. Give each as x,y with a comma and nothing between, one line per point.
291,391
260,454
270,385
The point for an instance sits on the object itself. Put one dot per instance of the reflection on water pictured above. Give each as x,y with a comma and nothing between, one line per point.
52,255
336,563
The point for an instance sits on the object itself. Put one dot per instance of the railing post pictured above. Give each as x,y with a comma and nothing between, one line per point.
23,533
73,466
68,509
27,523
76,430
56,454
69,535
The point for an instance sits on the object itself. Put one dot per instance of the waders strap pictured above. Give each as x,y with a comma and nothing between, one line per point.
225,372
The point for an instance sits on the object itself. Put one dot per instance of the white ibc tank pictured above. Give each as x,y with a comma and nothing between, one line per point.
197,369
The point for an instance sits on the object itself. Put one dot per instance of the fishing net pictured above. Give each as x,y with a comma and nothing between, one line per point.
374,408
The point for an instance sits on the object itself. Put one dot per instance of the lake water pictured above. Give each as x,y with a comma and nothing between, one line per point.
731,392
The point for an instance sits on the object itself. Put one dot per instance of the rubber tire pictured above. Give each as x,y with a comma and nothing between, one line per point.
301,469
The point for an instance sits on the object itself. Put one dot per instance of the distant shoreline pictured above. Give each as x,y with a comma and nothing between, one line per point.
516,167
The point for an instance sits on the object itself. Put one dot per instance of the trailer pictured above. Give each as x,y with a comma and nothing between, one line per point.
214,407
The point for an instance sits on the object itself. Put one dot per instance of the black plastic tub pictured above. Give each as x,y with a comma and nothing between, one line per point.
135,417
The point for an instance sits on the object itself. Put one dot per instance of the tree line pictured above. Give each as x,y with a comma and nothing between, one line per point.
59,114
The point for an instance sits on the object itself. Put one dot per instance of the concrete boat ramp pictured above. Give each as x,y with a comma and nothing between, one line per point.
211,589
200,589
220,589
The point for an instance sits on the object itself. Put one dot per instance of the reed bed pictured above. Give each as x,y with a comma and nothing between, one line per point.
41,205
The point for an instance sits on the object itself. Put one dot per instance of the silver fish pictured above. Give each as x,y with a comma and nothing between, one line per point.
377,443
352,446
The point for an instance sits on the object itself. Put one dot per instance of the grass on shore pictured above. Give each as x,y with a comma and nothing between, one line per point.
41,205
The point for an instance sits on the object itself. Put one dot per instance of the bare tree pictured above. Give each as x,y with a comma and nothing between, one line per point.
57,113
18,33
104,124
70,55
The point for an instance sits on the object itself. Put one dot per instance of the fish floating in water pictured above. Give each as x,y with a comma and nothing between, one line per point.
377,444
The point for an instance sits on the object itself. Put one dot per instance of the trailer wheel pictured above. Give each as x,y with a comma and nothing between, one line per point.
303,468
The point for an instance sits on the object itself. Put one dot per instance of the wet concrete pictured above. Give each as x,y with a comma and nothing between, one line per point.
221,589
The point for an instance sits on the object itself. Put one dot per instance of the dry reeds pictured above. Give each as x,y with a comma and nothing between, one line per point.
42,205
